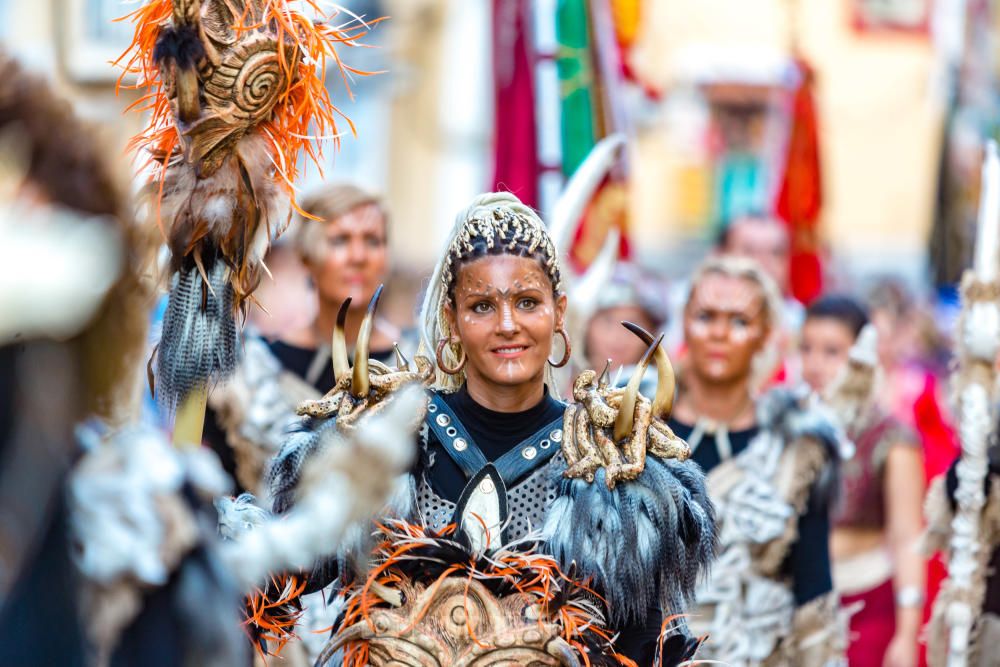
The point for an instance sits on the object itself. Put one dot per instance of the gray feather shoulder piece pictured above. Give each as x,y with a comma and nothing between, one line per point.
646,543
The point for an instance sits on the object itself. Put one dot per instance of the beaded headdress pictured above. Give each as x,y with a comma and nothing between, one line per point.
501,219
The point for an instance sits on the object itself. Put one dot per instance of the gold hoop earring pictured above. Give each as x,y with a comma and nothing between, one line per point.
440,361
568,349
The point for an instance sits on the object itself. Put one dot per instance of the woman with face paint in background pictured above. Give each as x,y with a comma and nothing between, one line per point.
505,479
343,248
769,462
877,519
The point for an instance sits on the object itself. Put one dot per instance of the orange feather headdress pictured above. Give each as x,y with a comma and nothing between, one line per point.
235,89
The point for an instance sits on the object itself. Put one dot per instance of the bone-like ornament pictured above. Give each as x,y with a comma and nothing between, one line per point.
482,510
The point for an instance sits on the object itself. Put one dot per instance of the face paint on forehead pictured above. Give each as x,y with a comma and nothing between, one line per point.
469,284
531,280
736,297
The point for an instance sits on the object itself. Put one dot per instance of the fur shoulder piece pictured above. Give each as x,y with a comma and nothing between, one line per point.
364,390
308,437
645,543
791,414
795,419
135,523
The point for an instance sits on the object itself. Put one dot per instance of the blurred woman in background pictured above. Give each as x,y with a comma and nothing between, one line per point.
343,245
618,301
345,250
769,458
877,518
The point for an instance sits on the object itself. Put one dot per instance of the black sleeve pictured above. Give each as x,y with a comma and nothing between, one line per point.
639,642
951,481
809,557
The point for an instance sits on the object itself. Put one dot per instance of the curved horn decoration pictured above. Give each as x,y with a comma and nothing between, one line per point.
360,631
360,383
666,380
559,648
583,291
598,274
338,344
625,420
388,595
581,188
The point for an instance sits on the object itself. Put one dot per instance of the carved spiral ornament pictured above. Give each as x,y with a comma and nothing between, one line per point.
458,623
249,80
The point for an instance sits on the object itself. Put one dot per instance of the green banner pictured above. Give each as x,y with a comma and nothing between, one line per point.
576,83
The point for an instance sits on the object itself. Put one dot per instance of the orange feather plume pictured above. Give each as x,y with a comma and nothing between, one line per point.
302,118
273,612
235,93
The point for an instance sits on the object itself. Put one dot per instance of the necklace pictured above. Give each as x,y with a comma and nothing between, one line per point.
719,429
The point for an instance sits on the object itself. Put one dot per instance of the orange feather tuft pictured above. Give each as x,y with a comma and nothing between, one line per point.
274,618
304,114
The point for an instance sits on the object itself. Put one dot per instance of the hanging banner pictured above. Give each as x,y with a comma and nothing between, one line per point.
800,195
515,166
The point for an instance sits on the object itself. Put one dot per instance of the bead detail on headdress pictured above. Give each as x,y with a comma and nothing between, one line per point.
513,228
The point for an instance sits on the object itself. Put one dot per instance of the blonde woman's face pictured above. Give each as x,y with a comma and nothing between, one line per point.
724,327
504,315
353,259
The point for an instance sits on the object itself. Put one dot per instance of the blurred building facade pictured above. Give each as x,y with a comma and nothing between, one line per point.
425,126
879,114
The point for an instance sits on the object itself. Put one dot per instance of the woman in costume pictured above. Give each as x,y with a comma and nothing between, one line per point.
344,248
770,463
877,518
529,530
622,299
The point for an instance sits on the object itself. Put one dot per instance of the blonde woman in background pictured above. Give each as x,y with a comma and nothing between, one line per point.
770,461
343,248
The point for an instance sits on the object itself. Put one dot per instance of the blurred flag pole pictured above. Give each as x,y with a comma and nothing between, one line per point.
591,74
